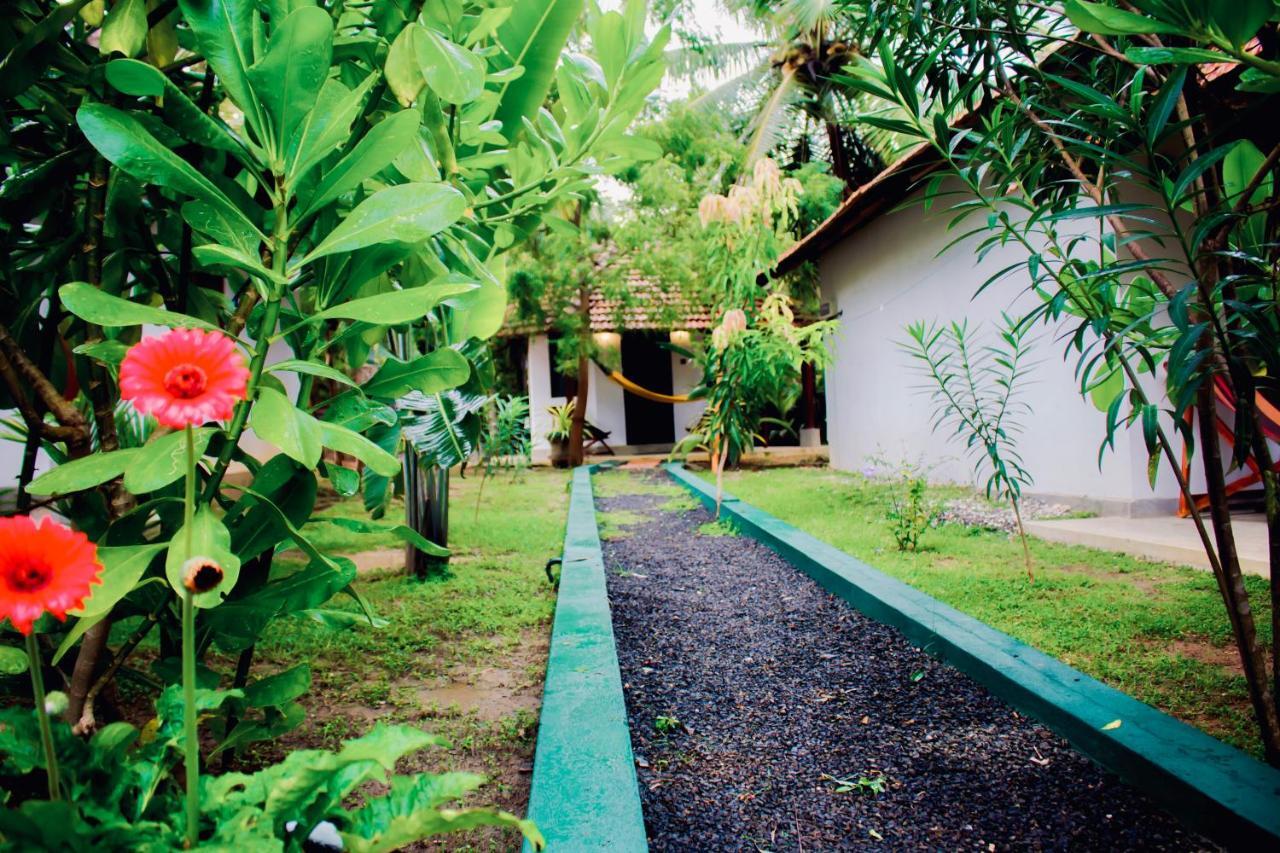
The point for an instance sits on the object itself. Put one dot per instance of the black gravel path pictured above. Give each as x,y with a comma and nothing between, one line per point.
769,690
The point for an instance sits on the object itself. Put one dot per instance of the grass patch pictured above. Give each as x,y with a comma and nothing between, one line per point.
717,528
1121,619
616,482
617,524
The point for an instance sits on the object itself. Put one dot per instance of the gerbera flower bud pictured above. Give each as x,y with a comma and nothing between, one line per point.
201,574
45,567
184,377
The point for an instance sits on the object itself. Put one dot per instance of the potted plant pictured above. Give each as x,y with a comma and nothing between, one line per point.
558,435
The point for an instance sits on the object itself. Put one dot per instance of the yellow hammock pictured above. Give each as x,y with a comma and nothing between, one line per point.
641,391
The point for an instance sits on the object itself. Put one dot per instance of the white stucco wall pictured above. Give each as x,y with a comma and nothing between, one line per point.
685,375
889,274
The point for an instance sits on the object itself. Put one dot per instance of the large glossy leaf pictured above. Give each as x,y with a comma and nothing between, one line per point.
122,568
478,313
224,31
288,78
436,371
100,308
164,460
293,431
533,37
123,140
443,428
83,473
311,368
125,29
142,80
454,73
375,152
209,538
396,306
326,127
291,490
344,440
407,213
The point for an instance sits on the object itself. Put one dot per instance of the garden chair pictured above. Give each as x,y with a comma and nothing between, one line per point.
595,436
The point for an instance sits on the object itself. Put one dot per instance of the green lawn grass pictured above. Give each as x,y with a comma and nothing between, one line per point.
1156,631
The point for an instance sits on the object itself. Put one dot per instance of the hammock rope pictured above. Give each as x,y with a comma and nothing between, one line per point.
640,390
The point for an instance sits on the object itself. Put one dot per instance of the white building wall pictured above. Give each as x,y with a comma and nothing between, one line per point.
889,274
685,376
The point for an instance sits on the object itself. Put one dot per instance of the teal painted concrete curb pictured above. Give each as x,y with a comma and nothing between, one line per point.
584,794
1212,787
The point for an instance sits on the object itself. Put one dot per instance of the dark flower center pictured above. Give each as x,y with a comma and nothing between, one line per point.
28,574
185,381
202,575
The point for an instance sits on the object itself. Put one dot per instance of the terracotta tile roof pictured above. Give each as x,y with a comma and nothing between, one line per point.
649,308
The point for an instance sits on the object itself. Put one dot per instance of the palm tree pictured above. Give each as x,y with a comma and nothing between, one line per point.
791,98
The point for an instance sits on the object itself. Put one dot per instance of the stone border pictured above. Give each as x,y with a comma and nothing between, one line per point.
1209,785
584,794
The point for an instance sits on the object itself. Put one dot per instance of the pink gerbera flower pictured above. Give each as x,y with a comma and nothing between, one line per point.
184,377
45,567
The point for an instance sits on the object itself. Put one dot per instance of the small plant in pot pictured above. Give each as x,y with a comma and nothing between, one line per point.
558,435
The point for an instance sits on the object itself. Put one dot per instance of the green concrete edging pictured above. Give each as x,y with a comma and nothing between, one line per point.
1211,786
584,794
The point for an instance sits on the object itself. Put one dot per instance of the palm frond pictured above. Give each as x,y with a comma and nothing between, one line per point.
770,123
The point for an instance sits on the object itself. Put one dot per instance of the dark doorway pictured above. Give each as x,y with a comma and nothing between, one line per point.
648,365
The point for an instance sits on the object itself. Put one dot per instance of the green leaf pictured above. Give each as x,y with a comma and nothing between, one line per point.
1238,20
533,37
344,440
312,368
403,74
224,31
164,460
417,540
289,76
396,306
100,308
215,256
436,371
1175,55
84,473
108,352
124,141
122,568
209,538
327,126
125,29
280,688
407,213
478,313
13,661
454,73
296,433
1109,21
413,810
143,80
375,152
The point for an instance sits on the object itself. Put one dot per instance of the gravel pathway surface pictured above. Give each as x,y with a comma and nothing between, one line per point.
768,715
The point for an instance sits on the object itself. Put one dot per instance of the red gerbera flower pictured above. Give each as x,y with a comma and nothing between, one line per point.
184,377
45,567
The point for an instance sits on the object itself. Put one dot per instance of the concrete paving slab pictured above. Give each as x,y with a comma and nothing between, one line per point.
1166,538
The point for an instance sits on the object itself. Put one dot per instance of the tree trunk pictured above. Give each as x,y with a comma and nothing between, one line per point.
839,157
576,456
1252,657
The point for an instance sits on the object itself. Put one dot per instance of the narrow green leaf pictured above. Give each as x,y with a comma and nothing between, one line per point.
100,308
288,78
84,473
396,306
344,440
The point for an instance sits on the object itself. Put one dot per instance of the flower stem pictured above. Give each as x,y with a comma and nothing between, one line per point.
42,714
191,739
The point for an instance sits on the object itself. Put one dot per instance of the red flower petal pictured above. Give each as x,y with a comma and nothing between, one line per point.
45,567
146,379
